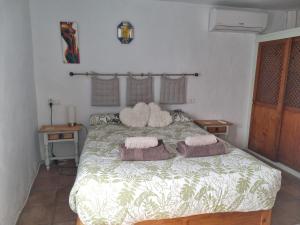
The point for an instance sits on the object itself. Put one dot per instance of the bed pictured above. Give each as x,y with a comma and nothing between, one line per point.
110,191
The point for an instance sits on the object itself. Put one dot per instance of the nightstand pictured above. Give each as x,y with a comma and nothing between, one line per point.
215,126
60,133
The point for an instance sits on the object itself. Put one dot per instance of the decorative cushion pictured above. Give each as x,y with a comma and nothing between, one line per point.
158,118
179,116
104,118
137,116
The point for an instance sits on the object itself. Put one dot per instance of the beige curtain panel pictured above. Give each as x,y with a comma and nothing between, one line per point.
139,90
173,91
105,92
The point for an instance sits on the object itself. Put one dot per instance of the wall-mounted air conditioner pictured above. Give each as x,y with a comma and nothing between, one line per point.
237,20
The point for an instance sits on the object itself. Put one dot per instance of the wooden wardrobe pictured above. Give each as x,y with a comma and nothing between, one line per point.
275,119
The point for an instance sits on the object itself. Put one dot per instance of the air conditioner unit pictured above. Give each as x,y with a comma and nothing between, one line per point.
237,20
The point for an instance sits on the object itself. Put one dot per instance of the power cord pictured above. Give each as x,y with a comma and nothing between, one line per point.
51,111
51,122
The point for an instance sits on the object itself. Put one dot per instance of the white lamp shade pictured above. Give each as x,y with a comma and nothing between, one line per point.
71,114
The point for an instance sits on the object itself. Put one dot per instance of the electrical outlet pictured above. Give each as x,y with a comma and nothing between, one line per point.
53,101
191,100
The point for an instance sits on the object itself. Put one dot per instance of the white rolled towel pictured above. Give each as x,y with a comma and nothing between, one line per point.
200,140
141,142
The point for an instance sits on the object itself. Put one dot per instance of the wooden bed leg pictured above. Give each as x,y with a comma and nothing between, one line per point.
78,221
266,217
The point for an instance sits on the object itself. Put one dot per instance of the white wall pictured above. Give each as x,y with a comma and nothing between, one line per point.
18,118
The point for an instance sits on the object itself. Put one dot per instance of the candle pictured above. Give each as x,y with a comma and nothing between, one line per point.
71,113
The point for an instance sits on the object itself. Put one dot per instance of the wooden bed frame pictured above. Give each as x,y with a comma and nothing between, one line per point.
231,218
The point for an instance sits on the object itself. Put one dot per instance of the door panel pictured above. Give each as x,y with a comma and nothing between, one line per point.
271,72
264,123
268,84
289,147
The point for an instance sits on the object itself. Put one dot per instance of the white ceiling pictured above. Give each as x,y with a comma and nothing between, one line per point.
263,4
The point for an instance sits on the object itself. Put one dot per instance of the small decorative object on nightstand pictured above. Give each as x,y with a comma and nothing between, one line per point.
60,133
215,126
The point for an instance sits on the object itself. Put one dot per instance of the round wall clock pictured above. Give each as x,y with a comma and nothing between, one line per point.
125,32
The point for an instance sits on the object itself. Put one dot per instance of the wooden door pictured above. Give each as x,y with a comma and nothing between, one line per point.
271,72
289,147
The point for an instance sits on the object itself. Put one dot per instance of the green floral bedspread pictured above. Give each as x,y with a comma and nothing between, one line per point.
110,191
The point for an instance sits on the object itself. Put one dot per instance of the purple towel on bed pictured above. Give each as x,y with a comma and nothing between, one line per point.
201,151
145,154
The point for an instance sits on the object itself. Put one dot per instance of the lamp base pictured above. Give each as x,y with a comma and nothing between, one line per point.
73,124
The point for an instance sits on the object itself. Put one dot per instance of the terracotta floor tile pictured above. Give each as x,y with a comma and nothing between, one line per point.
37,215
62,194
67,171
45,184
66,181
41,198
66,223
283,197
63,213
43,172
289,208
291,185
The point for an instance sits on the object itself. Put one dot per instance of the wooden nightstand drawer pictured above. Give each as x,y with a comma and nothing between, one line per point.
67,136
212,129
53,136
221,129
218,127
60,136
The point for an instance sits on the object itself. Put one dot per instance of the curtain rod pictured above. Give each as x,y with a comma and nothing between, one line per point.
131,74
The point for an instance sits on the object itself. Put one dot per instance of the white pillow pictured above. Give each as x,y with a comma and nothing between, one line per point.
158,118
137,116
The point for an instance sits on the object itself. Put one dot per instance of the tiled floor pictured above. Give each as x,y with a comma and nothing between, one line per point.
48,201
287,206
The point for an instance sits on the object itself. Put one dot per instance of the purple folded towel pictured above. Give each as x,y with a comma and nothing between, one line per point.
201,151
145,154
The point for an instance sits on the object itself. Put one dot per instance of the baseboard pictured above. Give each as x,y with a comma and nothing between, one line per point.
30,186
276,164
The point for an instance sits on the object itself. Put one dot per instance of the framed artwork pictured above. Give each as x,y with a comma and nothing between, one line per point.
70,43
125,32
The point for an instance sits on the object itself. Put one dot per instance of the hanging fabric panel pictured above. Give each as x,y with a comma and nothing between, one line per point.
139,90
105,92
172,91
